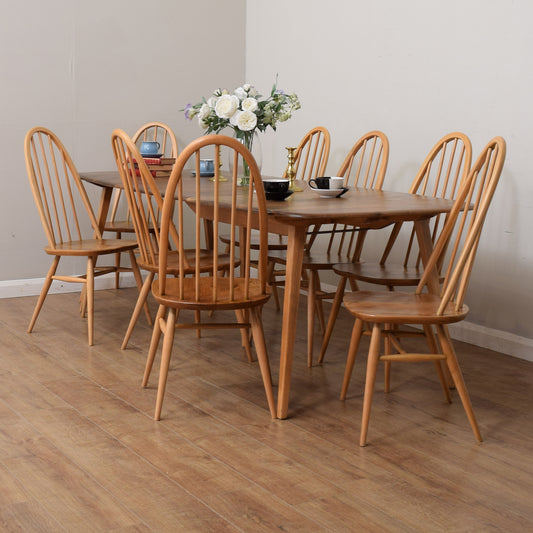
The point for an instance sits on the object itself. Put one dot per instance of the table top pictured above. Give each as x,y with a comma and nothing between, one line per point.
364,207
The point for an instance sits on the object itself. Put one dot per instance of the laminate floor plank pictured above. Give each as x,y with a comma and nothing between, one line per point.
80,451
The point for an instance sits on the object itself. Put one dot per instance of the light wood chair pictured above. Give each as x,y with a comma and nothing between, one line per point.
119,221
456,249
67,215
144,205
245,292
312,154
310,160
440,176
364,166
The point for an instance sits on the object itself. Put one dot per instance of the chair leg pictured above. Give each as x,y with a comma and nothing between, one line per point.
168,341
352,352
262,357
371,371
154,343
271,279
118,235
332,317
83,301
387,349
141,300
318,303
242,318
198,319
44,291
90,298
139,283
432,343
457,376
311,291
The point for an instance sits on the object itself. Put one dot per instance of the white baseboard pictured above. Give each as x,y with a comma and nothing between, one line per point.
492,339
32,287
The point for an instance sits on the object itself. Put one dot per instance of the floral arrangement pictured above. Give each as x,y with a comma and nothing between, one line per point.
244,111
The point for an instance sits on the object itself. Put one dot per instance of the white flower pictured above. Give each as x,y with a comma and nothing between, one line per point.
246,121
233,119
202,123
226,106
204,111
252,91
246,87
212,102
249,104
240,93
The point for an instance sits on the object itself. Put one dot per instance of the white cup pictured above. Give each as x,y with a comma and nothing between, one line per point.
336,182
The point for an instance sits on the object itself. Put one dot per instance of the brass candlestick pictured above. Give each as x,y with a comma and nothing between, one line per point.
219,159
290,172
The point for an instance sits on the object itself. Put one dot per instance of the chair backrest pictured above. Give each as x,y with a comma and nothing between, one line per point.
464,225
151,131
160,132
230,207
312,154
366,162
143,196
57,189
440,176
364,166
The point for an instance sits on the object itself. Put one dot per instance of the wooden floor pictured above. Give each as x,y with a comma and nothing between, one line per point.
79,450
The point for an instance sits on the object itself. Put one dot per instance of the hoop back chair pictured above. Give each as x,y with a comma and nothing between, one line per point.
312,154
145,203
310,160
119,220
67,216
440,176
245,291
458,244
364,166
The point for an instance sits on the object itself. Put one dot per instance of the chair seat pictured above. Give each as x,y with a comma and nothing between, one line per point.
388,274
256,296
91,246
401,308
206,262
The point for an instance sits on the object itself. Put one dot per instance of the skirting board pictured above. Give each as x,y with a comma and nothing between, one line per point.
32,287
492,339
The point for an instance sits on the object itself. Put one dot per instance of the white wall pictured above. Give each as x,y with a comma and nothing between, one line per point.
83,68
417,69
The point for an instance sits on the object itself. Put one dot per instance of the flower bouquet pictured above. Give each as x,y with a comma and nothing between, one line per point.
245,111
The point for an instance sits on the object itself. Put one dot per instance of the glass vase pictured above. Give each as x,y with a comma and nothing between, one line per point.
252,142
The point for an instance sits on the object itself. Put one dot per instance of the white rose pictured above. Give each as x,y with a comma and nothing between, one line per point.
252,91
234,118
249,104
212,102
240,93
204,111
246,86
226,106
246,121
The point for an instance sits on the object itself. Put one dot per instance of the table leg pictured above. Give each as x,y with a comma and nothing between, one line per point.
295,247
103,208
423,234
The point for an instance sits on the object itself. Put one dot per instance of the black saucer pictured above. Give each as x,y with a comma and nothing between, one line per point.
278,196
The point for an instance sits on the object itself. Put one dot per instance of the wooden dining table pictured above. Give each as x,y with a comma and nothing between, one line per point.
368,209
